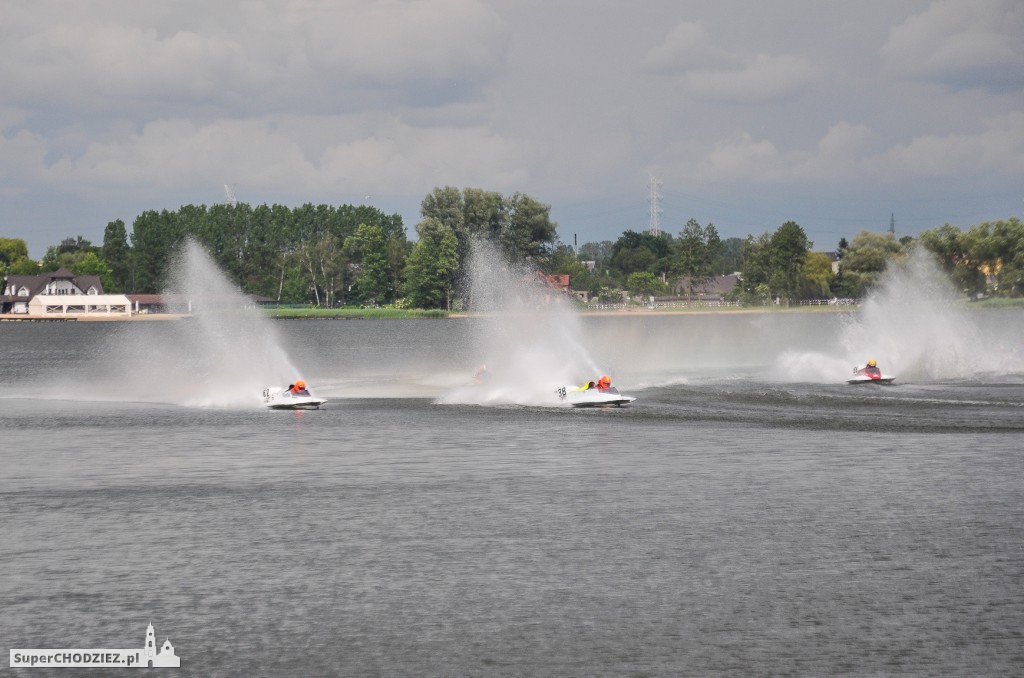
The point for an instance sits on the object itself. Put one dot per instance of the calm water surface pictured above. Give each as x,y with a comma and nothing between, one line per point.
728,523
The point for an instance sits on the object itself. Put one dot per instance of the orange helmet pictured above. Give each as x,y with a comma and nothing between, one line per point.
605,380
300,384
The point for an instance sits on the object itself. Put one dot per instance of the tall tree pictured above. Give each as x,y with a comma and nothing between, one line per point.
118,256
816,276
156,236
529,232
789,247
757,269
368,247
696,254
432,266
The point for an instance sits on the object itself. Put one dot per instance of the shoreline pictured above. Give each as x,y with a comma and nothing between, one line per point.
415,314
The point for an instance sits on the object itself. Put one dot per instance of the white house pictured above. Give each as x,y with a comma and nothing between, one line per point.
60,293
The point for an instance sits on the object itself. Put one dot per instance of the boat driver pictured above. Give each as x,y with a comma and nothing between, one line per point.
604,383
299,388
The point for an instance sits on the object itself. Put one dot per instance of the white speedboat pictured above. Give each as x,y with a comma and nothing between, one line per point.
277,398
581,396
869,375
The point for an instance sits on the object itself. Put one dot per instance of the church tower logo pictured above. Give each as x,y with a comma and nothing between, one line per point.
149,656
164,656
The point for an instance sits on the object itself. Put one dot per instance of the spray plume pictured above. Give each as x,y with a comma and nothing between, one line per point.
527,335
916,326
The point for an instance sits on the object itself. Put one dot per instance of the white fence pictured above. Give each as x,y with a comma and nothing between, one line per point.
715,304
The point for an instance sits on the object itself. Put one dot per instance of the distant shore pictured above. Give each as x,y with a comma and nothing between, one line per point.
411,313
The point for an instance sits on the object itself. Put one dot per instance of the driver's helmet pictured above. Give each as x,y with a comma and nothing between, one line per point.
605,381
300,384
871,363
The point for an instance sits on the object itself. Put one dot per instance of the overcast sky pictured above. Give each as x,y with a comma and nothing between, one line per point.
831,114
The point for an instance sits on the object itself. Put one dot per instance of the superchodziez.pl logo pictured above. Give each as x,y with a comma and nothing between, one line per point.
148,656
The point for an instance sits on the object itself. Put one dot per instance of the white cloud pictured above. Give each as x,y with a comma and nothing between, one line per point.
275,55
265,154
686,46
999,148
710,71
763,78
961,44
399,42
742,157
839,154
849,152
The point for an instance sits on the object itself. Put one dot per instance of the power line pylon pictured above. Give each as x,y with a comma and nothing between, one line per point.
655,199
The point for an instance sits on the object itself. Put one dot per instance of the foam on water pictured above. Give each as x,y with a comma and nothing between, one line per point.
529,338
916,327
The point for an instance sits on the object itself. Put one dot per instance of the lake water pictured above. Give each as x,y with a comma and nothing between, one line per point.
750,514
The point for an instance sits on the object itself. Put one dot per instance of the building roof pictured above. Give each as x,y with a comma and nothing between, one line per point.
37,283
716,286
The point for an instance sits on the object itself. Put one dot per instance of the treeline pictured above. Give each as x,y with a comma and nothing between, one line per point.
986,259
320,255
329,256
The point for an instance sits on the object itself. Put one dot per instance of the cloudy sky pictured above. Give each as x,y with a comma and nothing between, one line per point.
833,114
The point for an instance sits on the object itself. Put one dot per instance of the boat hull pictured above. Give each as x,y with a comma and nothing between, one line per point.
283,399
871,380
309,404
593,397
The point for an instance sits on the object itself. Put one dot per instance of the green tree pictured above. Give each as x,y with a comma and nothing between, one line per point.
484,214
397,254
598,252
753,287
788,250
368,248
696,255
816,276
118,256
432,266
1007,257
563,261
91,264
11,250
865,259
24,266
529,232
731,259
324,263
986,252
66,254
644,284
155,237
634,252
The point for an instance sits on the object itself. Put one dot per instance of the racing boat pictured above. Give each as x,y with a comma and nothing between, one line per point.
277,398
581,396
869,375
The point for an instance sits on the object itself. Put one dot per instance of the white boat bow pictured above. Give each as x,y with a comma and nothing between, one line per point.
578,396
277,398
